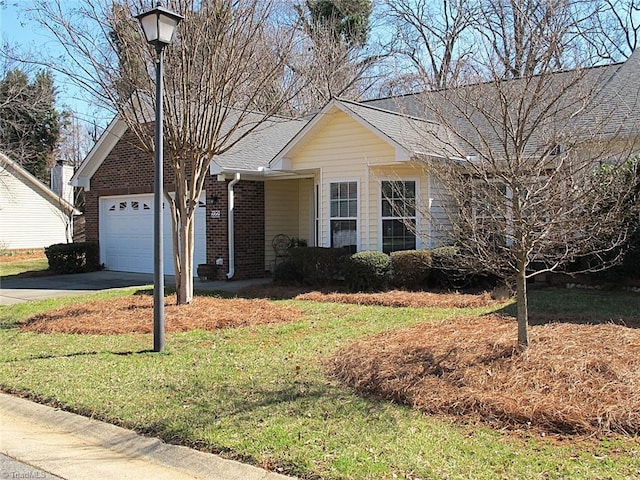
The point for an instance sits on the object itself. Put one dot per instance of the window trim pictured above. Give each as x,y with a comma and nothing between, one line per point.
418,217
358,207
508,232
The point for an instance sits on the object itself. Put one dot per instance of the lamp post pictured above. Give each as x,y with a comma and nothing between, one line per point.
158,25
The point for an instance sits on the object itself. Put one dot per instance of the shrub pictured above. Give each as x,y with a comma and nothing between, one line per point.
287,273
367,271
73,257
410,268
317,266
446,268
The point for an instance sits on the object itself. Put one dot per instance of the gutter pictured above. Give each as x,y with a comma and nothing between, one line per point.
230,227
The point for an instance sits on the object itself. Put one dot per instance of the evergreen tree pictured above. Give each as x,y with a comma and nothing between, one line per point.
29,121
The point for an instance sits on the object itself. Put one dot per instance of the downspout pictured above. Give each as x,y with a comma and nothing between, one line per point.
230,228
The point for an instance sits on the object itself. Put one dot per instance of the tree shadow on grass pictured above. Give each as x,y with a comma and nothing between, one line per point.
580,307
76,354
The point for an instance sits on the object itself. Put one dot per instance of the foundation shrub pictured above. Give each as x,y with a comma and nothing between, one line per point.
317,266
410,269
367,271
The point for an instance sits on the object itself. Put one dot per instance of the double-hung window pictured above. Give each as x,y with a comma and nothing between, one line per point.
491,206
343,200
398,215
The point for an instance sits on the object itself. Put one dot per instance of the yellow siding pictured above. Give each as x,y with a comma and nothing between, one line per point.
287,211
341,149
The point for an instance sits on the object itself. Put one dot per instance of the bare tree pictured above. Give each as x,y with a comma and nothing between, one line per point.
524,37
524,190
333,59
223,56
613,29
431,37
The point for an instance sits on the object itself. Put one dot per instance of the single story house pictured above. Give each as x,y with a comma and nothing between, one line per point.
348,177
31,214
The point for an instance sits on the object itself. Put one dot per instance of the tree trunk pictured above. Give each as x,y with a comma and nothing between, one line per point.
184,276
522,305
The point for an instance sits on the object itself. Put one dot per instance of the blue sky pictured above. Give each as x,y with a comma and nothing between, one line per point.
18,30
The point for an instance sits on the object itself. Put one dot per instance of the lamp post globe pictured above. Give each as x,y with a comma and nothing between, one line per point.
158,25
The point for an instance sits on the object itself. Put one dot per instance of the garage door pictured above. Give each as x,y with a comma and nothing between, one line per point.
126,234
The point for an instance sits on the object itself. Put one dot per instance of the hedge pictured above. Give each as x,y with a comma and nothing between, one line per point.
367,271
73,257
410,268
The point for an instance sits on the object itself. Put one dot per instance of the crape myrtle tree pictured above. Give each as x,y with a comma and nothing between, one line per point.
223,56
521,182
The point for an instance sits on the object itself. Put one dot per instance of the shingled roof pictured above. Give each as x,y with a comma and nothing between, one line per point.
588,104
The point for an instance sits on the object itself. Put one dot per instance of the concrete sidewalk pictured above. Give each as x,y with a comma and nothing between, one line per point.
43,442
24,289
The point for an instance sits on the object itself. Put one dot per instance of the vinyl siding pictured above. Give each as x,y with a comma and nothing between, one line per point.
28,220
344,150
288,210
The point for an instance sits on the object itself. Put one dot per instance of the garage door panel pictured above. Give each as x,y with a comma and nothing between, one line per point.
126,234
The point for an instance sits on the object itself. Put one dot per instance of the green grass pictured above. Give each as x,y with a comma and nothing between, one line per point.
23,266
259,394
608,304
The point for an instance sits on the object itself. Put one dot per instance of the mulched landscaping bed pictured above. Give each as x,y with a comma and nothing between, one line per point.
574,378
134,314
393,298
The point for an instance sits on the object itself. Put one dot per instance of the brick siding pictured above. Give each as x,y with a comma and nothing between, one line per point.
128,170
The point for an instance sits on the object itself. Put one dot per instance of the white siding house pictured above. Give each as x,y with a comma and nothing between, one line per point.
31,214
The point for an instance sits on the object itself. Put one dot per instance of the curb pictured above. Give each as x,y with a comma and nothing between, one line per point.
83,448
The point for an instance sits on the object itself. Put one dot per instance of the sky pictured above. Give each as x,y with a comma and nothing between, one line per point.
17,29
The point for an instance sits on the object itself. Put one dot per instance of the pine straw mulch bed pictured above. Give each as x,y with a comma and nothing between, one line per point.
573,379
21,255
135,315
393,298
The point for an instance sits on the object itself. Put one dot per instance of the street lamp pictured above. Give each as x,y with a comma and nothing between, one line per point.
158,25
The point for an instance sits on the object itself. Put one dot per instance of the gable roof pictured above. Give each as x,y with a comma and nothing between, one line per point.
591,103
111,135
36,185
407,134
254,152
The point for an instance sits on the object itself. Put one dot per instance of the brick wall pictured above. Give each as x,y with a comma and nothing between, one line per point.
128,170
249,228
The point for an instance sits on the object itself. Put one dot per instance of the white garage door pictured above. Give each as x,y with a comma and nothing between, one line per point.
126,234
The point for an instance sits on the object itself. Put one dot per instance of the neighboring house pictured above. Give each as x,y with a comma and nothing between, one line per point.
31,214
351,176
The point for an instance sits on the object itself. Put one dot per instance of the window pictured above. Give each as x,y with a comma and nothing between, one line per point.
343,204
491,211
398,216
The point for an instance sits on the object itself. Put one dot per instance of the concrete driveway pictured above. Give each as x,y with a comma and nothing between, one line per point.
22,289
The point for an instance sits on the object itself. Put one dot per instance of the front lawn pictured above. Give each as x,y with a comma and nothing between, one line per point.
261,394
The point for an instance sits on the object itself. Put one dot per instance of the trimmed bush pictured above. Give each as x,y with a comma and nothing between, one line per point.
410,268
446,271
312,266
367,271
287,273
73,257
